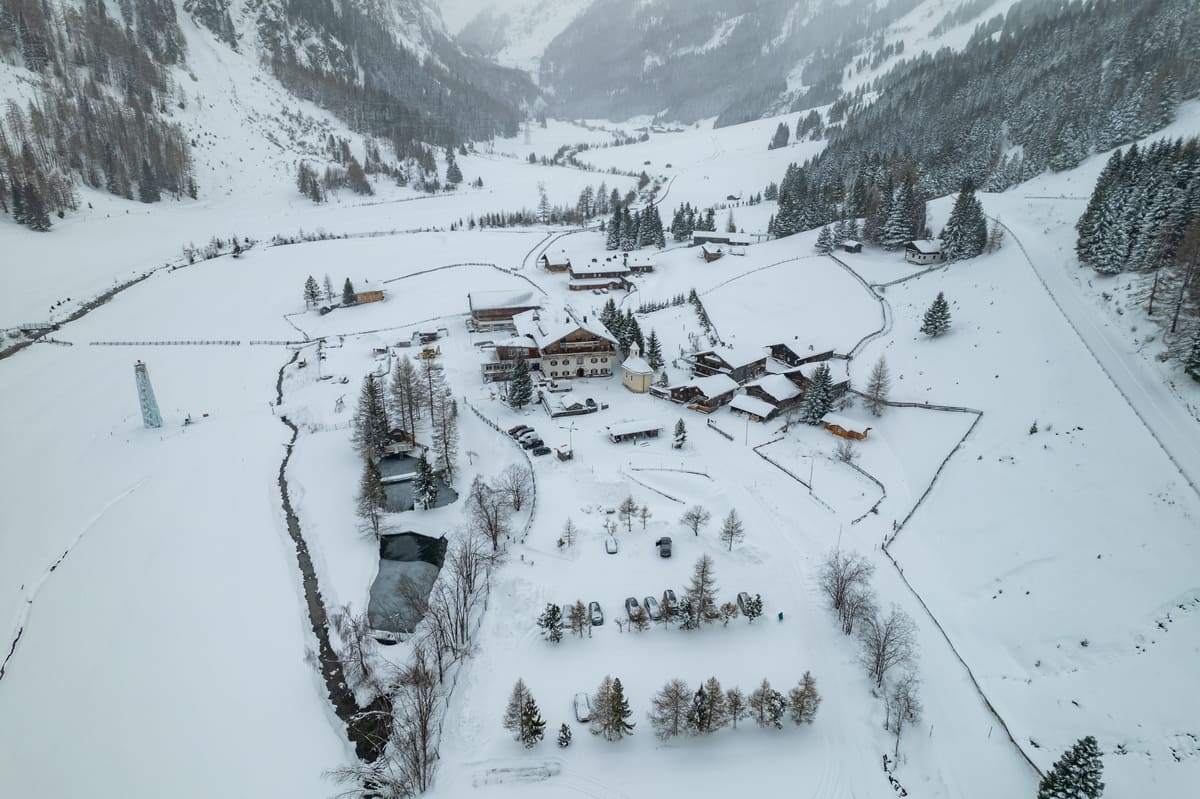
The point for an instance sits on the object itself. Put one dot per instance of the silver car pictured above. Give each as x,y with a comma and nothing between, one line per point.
652,608
631,606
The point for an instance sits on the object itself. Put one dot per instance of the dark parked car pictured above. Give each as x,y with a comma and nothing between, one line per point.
743,599
669,599
530,443
541,450
596,613
664,546
518,430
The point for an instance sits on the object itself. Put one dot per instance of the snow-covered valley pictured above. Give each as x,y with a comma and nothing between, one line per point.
1036,489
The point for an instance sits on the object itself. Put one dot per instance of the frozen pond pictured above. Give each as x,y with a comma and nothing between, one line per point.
408,566
400,493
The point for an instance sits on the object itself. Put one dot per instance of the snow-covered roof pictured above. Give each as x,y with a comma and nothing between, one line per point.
711,386
599,267
640,260
851,243
635,364
845,422
926,246
554,327
837,369
778,386
570,400
748,404
628,428
734,355
494,300
557,259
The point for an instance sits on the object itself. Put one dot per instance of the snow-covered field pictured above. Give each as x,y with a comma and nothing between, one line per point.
164,640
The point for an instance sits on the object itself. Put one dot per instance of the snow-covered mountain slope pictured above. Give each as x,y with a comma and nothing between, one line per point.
516,34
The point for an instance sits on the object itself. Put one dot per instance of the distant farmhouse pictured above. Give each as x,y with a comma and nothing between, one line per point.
555,262
701,237
493,310
559,345
368,292
924,251
781,391
596,274
704,394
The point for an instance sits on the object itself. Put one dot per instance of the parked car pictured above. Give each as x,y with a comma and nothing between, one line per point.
543,450
631,606
743,599
669,599
596,613
518,430
526,434
555,387
664,546
583,708
652,608
610,545
532,443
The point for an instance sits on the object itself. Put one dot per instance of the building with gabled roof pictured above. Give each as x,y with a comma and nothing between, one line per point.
924,251
560,345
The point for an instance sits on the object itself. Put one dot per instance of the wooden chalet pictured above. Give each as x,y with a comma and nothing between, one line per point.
711,252
555,262
705,394
496,309
633,430
610,268
924,251
776,393
368,292
845,427
640,264
784,354
702,237
741,365
850,245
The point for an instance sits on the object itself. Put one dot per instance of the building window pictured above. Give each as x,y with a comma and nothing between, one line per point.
593,361
579,360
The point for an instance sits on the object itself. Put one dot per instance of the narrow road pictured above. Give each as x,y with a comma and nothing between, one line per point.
1164,416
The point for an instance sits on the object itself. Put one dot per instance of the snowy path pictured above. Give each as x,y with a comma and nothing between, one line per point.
1151,401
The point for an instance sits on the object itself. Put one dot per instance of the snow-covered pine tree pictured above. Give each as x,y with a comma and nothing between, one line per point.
533,727
370,431
550,623
1076,775
348,293
520,387
780,139
965,234
697,718
825,240
371,497
564,737
629,231
312,292
613,242
660,237
425,488
878,385
754,609
818,396
680,433
516,706
654,356
619,712
937,317
804,700
767,705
